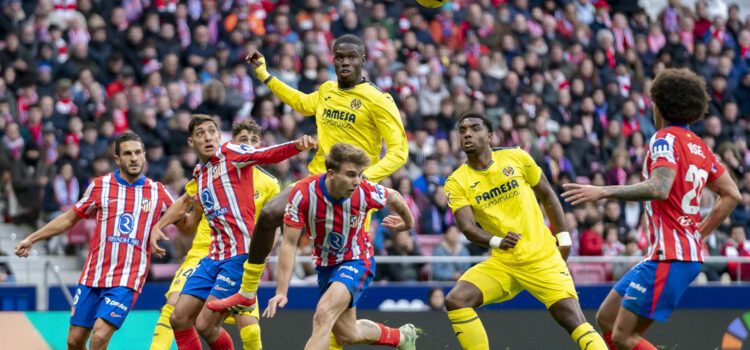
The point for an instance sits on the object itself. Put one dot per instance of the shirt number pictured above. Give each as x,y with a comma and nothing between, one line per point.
697,177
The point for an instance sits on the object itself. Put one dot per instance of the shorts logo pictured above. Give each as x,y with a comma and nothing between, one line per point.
356,103
126,223
146,205
226,280
207,199
350,268
508,171
335,240
113,314
343,275
75,299
628,297
638,287
219,288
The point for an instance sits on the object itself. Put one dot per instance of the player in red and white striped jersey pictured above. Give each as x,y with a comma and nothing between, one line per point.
678,166
125,204
225,190
332,207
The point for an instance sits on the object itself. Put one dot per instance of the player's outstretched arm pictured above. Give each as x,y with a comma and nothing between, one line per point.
287,256
403,221
554,211
55,227
729,196
175,214
468,225
655,188
305,104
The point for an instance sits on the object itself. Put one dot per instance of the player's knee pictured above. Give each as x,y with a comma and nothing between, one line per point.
99,340
604,320
345,339
457,300
622,340
271,216
178,320
76,342
323,315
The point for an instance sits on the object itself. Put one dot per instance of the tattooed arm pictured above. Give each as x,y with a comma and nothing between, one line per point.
655,188
403,220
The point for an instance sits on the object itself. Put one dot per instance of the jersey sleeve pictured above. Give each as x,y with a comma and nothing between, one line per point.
305,104
376,196
455,193
662,151
717,169
165,197
191,188
91,200
390,127
242,153
294,215
531,171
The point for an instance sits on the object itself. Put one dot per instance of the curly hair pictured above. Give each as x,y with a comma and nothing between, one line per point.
680,96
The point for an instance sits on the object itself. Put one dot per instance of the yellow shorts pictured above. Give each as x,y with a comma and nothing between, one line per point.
182,274
548,280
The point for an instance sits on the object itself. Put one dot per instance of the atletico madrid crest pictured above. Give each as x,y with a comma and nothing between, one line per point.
146,205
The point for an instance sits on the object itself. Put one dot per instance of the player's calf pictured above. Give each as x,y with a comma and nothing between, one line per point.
269,218
77,337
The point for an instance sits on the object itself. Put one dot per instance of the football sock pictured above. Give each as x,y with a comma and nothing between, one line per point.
587,338
608,339
188,339
469,329
251,277
388,336
224,342
163,335
334,344
644,345
251,337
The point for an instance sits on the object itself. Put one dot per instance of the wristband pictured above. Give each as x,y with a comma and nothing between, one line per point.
563,239
495,242
268,80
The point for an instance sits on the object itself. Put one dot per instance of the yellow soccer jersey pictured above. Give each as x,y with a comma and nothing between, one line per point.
502,200
266,186
363,116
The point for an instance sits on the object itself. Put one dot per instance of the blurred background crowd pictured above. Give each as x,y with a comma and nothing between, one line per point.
565,80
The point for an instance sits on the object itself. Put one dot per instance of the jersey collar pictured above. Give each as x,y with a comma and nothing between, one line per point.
684,126
325,191
141,180
355,85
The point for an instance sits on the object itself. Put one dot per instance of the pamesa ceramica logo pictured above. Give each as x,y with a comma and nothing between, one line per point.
737,333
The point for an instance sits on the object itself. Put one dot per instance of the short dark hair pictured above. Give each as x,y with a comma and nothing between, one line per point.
350,39
486,121
680,96
341,153
125,137
199,119
250,125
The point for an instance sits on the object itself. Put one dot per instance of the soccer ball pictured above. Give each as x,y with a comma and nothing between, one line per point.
432,3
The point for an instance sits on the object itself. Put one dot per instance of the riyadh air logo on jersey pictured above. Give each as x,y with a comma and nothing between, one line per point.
335,240
146,205
207,199
356,103
663,148
126,224
508,171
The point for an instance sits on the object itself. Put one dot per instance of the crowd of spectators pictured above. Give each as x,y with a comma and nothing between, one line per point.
565,80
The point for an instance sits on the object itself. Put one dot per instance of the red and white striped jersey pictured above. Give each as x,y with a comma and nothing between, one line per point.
225,189
673,222
336,228
120,253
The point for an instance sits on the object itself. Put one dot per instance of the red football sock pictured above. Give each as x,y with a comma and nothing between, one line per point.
388,336
187,339
608,339
644,345
224,342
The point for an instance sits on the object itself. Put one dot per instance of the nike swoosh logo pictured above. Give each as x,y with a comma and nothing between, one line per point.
114,314
628,297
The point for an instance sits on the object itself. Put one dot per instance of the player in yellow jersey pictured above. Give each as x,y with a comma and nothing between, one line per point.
266,186
351,110
494,201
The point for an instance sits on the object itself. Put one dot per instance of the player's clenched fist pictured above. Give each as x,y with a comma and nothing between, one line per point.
23,247
259,63
510,240
305,143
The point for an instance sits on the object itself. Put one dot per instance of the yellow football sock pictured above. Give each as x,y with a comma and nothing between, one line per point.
469,329
334,345
587,338
251,277
163,334
251,337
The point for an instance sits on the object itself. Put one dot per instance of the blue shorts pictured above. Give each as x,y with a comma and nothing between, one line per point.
652,289
356,275
220,278
111,304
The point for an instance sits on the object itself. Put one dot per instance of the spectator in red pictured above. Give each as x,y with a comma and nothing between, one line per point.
737,246
591,238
